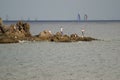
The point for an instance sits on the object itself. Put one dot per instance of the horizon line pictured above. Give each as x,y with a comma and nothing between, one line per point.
62,20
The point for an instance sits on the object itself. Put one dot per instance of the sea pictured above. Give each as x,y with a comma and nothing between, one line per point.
94,60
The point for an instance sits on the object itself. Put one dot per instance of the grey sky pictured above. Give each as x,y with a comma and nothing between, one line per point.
60,9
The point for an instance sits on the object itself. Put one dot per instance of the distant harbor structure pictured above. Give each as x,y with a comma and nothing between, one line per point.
36,19
85,17
28,19
78,17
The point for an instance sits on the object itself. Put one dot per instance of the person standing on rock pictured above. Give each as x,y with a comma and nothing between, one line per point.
61,30
83,32
50,32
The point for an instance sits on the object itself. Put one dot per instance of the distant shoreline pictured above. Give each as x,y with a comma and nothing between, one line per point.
62,20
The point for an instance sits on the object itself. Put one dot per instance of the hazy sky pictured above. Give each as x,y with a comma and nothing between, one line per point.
60,9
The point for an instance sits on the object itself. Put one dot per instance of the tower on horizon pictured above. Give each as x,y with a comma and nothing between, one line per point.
78,17
85,17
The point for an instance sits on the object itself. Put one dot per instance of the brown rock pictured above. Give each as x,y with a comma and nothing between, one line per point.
58,34
21,31
65,38
45,35
1,26
86,39
1,22
24,27
74,37
60,38
8,40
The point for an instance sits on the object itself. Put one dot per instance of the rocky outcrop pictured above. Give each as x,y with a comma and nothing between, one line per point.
8,40
59,37
1,22
74,37
14,32
24,27
1,26
21,31
86,39
45,35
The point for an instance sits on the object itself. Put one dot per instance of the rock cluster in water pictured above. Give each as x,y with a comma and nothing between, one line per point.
21,31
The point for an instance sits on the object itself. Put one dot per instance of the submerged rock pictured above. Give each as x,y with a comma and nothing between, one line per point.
8,40
86,39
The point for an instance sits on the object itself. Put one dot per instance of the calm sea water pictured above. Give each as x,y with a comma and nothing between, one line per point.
96,60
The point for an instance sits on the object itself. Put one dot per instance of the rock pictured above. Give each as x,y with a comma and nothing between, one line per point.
21,31
56,37
45,35
65,38
86,39
60,38
36,38
14,33
19,25
1,22
24,27
6,28
74,37
8,40
59,34
12,28
1,26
